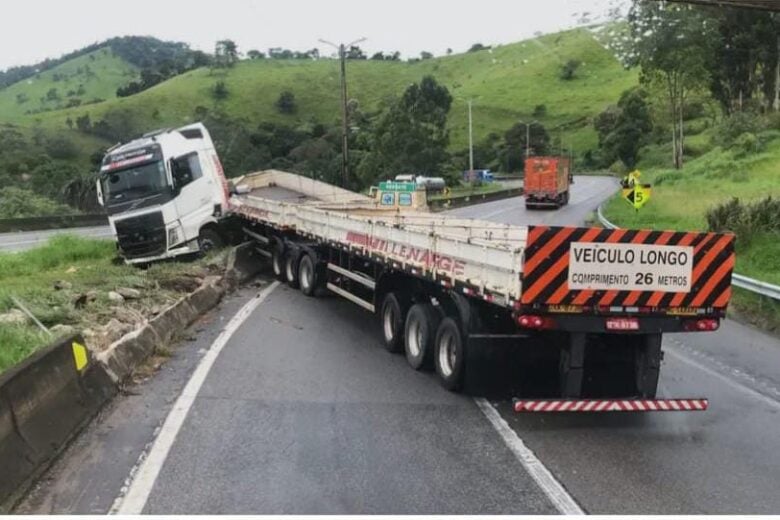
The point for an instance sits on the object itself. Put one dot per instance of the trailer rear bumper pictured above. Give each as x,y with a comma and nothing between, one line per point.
610,405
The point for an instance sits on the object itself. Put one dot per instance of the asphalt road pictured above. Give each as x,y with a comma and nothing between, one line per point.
304,412
28,239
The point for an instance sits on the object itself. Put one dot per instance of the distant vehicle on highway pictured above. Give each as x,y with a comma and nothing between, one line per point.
478,175
165,194
547,182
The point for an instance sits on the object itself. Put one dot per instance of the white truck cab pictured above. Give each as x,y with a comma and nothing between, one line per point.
165,194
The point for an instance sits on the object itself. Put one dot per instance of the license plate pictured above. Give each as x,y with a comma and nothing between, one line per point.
682,311
565,309
622,324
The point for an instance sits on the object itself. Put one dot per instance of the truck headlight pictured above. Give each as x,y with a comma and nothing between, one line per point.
173,236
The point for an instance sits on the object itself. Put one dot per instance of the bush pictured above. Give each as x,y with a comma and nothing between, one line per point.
745,220
569,69
286,103
746,144
540,110
219,91
734,126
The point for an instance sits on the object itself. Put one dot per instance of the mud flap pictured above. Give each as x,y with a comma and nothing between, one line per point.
572,365
647,365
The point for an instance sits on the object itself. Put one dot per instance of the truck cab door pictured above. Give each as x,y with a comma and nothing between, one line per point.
193,200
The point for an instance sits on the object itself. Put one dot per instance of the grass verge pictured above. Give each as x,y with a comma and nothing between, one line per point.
67,282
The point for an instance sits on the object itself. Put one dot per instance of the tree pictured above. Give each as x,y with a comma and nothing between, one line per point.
52,95
285,104
379,56
744,58
254,54
425,55
411,135
673,46
478,47
449,51
513,151
83,123
355,53
69,123
623,128
226,53
569,69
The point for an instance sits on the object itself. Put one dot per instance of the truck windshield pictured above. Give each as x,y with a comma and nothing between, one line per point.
134,183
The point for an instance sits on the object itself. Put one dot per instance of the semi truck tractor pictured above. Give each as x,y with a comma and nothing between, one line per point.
165,194
591,303
547,182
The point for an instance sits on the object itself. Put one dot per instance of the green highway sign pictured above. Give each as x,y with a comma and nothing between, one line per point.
397,186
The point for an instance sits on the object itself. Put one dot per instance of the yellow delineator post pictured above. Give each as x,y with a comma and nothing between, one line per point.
80,356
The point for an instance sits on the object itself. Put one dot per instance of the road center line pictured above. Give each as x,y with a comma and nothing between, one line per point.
554,490
144,477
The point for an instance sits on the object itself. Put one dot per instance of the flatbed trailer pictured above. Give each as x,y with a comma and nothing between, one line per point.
443,286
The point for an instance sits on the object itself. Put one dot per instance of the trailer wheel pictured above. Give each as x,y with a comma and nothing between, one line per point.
392,316
277,261
420,333
449,355
290,269
307,275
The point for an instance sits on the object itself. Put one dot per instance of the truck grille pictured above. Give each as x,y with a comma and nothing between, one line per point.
141,236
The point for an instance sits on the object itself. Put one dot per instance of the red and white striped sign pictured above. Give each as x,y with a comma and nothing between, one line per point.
612,405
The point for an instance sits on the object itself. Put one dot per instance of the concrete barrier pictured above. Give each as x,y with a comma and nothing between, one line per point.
47,399
468,200
44,402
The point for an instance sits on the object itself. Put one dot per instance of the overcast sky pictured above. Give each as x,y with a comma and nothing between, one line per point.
31,30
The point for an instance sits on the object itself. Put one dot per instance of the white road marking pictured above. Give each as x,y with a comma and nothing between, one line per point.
731,382
134,500
554,490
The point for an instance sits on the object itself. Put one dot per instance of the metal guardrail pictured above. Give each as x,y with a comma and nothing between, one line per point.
9,225
738,280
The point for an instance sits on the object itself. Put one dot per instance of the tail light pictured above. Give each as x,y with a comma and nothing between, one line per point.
704,325
534,322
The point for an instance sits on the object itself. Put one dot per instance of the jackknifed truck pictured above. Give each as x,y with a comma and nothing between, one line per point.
595,301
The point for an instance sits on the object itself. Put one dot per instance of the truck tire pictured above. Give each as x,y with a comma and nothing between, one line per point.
291,269
209,240
392,314
277,261
449,356
420,334
307,275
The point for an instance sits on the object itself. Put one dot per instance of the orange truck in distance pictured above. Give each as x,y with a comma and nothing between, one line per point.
547,182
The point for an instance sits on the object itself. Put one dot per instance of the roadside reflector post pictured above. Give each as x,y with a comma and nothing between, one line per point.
572,365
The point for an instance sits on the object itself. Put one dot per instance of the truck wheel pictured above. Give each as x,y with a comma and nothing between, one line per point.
392,316
209,240
277,261
449,356
420,333
307,275
290,269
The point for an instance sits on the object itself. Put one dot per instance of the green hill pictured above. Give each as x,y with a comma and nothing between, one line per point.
80,81
506,83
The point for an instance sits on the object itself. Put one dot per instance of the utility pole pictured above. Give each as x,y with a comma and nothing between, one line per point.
527,137
342,50
777,78
471,145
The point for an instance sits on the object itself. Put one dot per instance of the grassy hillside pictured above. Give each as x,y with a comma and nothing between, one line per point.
94,76
506,84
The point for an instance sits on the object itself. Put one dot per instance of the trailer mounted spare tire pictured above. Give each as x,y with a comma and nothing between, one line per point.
209,240
307,275
449,355
291,268
277,260
392,314
422,321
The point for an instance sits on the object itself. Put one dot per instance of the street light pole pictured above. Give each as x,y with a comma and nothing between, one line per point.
342,50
